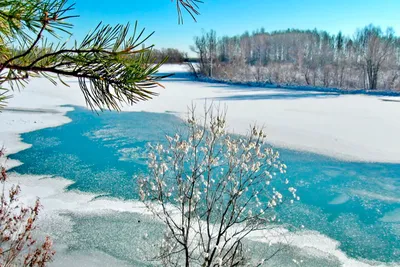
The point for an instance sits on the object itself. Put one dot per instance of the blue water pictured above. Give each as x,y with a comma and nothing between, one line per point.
348,201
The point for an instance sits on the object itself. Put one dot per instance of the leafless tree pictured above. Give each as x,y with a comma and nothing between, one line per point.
369,60
375,48
212,190
206,48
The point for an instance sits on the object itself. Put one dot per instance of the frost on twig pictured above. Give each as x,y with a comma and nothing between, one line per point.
212,190
18,247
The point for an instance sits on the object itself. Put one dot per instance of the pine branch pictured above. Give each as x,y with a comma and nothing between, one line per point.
109,64
190,6
25,53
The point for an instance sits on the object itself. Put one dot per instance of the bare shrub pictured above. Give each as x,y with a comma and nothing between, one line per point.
18,246
212,190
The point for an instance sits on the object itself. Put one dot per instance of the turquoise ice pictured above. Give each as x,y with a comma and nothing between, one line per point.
357,204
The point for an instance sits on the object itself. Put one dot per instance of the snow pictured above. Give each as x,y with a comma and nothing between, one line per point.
351,127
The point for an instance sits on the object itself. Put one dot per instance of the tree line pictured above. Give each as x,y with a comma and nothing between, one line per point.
368,60
169,55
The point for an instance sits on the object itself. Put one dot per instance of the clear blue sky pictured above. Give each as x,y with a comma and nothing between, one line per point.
231,17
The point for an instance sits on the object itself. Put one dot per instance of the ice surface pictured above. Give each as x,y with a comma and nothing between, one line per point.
355,127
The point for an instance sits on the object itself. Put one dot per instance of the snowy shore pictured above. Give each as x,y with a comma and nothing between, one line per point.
353,127
349,127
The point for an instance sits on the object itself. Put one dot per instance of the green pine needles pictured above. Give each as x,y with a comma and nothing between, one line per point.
112,63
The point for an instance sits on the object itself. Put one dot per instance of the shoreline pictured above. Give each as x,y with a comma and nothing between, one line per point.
360,128
57,199
301,88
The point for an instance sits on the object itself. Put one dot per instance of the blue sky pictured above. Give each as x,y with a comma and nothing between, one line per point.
231,17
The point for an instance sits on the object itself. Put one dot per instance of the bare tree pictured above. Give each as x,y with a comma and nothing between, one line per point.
212,190
369,60
206,49
375,50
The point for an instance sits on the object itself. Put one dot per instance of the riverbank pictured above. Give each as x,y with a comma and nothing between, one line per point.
350,127
303,88
38,107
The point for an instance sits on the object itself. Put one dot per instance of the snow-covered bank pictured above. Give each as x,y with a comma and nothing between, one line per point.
15,122
57,201
350,127
304,88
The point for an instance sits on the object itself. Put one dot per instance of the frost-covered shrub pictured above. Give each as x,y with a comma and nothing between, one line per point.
212,190
18,246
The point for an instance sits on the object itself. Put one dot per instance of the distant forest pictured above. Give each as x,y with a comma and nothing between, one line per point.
174,56
369,60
